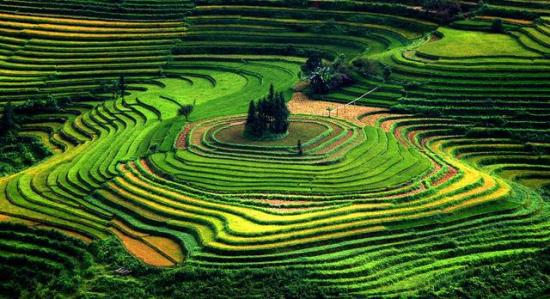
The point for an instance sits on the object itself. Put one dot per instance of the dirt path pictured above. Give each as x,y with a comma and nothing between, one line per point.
301,104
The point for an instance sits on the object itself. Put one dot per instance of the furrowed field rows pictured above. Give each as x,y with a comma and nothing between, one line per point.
436,173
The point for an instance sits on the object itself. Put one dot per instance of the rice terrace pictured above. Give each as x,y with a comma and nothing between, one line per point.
275,149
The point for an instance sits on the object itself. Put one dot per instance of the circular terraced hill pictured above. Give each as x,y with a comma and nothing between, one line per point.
435,175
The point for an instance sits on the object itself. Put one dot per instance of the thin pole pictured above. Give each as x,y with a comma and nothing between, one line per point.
354,100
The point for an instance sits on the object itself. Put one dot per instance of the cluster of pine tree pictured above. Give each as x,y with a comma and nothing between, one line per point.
268,117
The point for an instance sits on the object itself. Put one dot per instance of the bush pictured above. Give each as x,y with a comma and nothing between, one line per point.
325,78
497,26
193,282
189,281
519,278
110,252
185,111
48,104
370,68
7,121
445,10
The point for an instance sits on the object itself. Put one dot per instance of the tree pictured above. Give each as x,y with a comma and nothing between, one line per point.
387,73
114,89
186,110
318,84
312,63
497,26
281,114
251,117
252,126
445,10
7,122
326,78
267,117
121,86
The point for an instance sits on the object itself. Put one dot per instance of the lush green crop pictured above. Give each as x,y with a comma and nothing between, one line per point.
441,190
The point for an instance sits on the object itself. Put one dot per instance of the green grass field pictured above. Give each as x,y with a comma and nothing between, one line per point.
463,44
435,185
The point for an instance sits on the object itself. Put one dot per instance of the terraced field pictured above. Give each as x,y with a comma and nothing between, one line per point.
441,171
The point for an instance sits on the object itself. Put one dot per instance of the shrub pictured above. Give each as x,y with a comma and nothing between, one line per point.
445,10
370,68
312,63
497,26
185,111
47,104
325,78
7,121
193,282
520,278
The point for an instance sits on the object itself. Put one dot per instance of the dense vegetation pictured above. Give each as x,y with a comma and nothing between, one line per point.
16,150
122,126
525,278
57,266
268,118
104,269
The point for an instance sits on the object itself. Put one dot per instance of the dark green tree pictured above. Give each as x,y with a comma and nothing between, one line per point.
268,117
497,26
280,115
251,117
318,84
262,120
324,78
121,86
7,122
186,110
312,64
387,73
252,127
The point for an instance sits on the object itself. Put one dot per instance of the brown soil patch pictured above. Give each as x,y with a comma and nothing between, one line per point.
280,202
298,130
434,37
301,104
301,86
337,143
411,137
145,165
399,136
424,141
196,137
142,251
168,246
4,217
372,119
422,188
436,168
283,210
450,173
387,124
181,142
508,20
